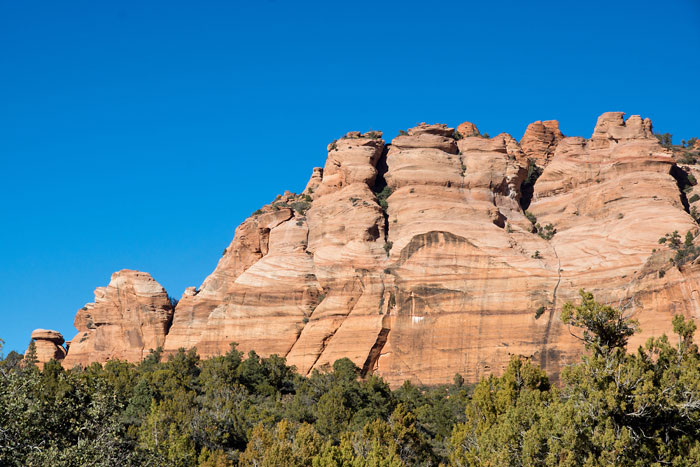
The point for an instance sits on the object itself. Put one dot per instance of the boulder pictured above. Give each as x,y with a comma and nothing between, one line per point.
48,345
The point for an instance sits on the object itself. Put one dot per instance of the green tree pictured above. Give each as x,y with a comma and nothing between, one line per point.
332,414
665,139
605,329
284,445
502,417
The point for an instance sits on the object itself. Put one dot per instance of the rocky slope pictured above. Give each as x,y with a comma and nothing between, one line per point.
417,259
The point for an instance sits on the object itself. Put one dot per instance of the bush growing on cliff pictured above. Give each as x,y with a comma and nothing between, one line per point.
665,139
546,232
531,217
382,197
685,252
301,206
540,311
687,158
387,247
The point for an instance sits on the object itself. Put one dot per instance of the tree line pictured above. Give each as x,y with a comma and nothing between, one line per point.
611,408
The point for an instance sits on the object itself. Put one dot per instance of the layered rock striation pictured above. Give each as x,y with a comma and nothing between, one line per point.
128,318
441,252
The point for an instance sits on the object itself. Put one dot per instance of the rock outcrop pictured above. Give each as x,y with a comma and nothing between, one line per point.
128,318
416,260
540,140
48,345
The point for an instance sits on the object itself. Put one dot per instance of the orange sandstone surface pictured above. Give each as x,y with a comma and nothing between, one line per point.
416,259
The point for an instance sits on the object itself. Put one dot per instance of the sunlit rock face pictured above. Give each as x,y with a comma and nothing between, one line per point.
48,345
416,259
128,318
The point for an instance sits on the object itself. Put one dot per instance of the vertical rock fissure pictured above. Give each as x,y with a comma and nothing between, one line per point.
376,350
380,184
683,181
324,344
545,339
327,338
301,329
527,188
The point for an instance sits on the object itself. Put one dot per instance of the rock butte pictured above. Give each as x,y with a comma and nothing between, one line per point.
443,276
48,345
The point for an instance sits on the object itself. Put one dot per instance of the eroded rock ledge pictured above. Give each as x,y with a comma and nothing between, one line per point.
416,260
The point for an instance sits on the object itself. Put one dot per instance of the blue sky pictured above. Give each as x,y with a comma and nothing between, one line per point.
140,134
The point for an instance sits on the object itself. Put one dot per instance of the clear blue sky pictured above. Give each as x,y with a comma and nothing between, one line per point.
140,134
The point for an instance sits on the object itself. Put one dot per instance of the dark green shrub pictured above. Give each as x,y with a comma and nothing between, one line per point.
665,139
387,247
687,158
382,197
685,251
546,232
539,312
301,206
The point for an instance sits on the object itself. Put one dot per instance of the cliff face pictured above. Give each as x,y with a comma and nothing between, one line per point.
417,260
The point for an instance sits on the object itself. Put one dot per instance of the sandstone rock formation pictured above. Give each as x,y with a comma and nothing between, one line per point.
416,260
540,140
48,345
128,318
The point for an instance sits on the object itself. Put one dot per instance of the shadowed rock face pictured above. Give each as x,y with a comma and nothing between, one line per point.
416,260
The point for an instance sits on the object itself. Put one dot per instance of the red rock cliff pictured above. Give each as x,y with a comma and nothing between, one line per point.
416,260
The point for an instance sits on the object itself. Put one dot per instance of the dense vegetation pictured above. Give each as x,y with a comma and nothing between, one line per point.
612,408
